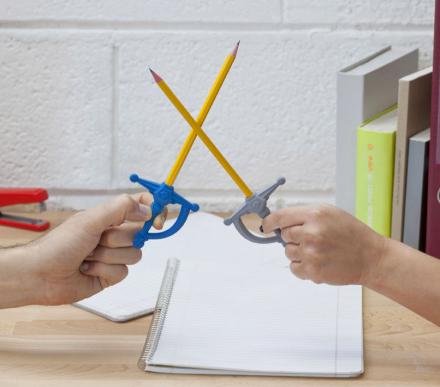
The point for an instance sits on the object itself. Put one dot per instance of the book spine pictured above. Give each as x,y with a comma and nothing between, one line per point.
374,179
400,162
414,108
350,95
160,313
415,199
433,212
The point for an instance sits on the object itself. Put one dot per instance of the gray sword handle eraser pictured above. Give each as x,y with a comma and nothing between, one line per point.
256,204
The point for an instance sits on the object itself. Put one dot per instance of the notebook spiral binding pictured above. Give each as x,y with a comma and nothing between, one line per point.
160,312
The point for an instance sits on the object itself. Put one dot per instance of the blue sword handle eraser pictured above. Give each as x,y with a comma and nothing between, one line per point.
163,195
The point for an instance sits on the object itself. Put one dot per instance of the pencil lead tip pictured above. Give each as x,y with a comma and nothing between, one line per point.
234,51
156,77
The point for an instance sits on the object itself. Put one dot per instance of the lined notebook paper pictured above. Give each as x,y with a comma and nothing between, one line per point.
232,307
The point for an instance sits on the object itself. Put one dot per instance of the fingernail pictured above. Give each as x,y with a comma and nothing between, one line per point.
261,228
84,267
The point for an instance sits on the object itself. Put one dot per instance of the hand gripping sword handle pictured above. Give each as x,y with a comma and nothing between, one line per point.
163,195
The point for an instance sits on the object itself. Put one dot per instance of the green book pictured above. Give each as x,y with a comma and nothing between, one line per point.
375,170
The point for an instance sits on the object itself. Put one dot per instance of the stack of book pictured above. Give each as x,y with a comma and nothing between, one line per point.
383,136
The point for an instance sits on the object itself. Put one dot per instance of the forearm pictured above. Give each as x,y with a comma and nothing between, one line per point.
409,277
18,285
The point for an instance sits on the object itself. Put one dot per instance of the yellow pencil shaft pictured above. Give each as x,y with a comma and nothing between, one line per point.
206,140
189,141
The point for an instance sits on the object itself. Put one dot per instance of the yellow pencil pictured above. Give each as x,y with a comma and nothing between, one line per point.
201,133
227,64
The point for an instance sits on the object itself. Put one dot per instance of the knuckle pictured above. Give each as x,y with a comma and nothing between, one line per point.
312,253
285,234
291,251
125,200
145,198
297,271
316,237
108,239
309,238
319,211
125,204
148,197
313,237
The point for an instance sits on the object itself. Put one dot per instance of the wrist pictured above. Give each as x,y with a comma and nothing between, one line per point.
374,261
19,284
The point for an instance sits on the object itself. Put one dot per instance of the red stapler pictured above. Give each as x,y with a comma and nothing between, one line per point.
14,196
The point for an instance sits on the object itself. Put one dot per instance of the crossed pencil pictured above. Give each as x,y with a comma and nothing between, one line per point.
254,202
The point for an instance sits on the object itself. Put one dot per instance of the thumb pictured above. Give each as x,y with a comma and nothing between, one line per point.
115,212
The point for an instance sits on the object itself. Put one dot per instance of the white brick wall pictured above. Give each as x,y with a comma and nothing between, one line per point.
79,113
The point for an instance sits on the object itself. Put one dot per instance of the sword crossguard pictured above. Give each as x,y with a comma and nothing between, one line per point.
256,204
163,195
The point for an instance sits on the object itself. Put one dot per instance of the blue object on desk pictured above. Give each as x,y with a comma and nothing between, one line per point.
163,195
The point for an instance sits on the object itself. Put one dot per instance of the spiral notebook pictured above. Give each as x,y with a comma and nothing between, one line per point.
234,308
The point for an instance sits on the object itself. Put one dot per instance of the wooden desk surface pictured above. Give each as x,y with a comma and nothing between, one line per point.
66,346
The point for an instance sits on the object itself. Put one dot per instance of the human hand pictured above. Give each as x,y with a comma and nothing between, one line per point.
326,244
90,251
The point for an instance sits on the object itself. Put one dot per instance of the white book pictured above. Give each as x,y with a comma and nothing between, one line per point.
364,89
